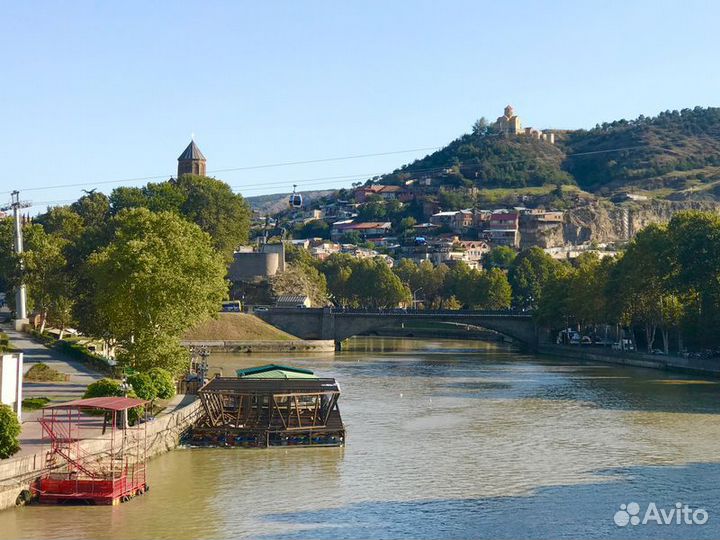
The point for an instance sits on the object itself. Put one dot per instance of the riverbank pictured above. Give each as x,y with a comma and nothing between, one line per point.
163,434
249,347
699,366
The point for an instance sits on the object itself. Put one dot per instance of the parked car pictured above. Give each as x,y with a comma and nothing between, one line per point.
260,308
658,351
586,340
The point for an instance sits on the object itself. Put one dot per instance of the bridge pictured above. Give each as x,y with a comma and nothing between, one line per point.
339,324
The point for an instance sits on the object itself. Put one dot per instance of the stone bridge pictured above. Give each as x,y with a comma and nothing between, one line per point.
339,324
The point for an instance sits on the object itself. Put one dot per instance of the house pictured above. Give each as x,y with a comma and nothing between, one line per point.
503,229
457,220
387,193
472,251
293,301
367,230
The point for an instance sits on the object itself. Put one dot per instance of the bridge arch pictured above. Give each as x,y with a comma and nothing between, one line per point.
340,324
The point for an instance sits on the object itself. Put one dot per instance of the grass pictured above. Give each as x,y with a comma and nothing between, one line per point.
35,403
5,345
44,373
236,327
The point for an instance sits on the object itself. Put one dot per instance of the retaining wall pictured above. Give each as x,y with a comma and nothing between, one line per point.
295,345
164,432
707,367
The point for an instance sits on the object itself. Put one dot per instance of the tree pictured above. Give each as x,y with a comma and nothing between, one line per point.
494,290
9,432
373,284
499,257
299,278
143,386
337,269
528,274
163,381
93,208
213,206
157,276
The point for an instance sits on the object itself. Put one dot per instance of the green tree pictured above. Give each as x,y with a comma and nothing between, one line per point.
213,206
157,276
528,274
93,208
163,381
143,386
499,257
9,432
494,290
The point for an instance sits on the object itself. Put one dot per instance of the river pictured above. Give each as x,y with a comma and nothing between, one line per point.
446,439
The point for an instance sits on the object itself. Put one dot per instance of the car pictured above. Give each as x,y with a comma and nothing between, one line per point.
260,308
586,340
658,352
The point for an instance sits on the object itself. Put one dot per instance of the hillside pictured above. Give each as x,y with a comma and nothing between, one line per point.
277,202
675,155
236,327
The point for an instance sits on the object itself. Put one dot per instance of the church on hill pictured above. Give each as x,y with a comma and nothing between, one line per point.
509,125
191,161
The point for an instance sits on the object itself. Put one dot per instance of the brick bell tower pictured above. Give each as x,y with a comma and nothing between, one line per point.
191,161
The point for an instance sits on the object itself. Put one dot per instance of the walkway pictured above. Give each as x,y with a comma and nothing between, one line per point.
80,377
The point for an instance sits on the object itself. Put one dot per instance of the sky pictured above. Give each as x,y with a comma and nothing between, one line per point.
102,94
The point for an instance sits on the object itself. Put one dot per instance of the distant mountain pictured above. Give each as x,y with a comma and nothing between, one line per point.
278,202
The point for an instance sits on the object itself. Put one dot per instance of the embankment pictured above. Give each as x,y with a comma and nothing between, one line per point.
699,366
246,333
164,432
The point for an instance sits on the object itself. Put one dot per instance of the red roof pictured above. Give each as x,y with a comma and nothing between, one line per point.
107,403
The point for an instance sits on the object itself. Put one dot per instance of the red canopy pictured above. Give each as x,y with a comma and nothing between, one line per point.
107,403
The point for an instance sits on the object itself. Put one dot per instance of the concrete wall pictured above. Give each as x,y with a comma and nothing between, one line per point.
295,345
700,366
17,474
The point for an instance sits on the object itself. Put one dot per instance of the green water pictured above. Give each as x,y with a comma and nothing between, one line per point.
445,440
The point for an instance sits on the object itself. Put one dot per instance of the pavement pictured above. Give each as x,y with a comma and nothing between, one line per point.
80,376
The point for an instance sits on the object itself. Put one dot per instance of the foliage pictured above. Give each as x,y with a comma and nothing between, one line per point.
104,388
9,432
157,276
499,257
528,274
43,372
316,228
34,403
163,381
143,386
300,278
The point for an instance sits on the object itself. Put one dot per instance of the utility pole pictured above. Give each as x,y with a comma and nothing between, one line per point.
21,297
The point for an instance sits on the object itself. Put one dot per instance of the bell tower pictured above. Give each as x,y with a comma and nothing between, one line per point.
191,161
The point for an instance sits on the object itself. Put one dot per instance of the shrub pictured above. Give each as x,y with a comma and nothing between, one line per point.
113,388
9,432
163,381
144,386
43,372
103,388
34,403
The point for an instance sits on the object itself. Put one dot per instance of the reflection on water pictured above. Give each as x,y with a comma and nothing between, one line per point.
445,439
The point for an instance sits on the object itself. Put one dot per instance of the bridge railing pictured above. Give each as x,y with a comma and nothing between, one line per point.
403,311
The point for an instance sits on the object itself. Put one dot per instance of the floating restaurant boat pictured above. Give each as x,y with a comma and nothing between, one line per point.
270,406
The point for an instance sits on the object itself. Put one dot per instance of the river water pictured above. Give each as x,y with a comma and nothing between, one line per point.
446,439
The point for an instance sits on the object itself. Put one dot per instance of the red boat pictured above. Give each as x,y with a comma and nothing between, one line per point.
95,456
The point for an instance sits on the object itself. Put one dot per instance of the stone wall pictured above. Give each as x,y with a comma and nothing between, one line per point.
275,346
164,432
705,367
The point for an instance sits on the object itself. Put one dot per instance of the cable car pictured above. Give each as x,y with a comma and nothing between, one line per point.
296,200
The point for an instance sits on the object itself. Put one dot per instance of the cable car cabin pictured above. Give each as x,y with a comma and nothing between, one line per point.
296,200
270,406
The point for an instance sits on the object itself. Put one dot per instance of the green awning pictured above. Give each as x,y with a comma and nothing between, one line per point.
275,371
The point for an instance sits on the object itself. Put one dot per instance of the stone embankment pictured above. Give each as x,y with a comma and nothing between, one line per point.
164,433
701,366
291,346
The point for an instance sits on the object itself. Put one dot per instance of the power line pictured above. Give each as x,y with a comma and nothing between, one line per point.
245,168
307,181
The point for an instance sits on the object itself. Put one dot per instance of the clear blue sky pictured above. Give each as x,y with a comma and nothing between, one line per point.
98,91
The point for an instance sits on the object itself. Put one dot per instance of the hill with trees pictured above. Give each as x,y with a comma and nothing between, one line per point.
675,155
